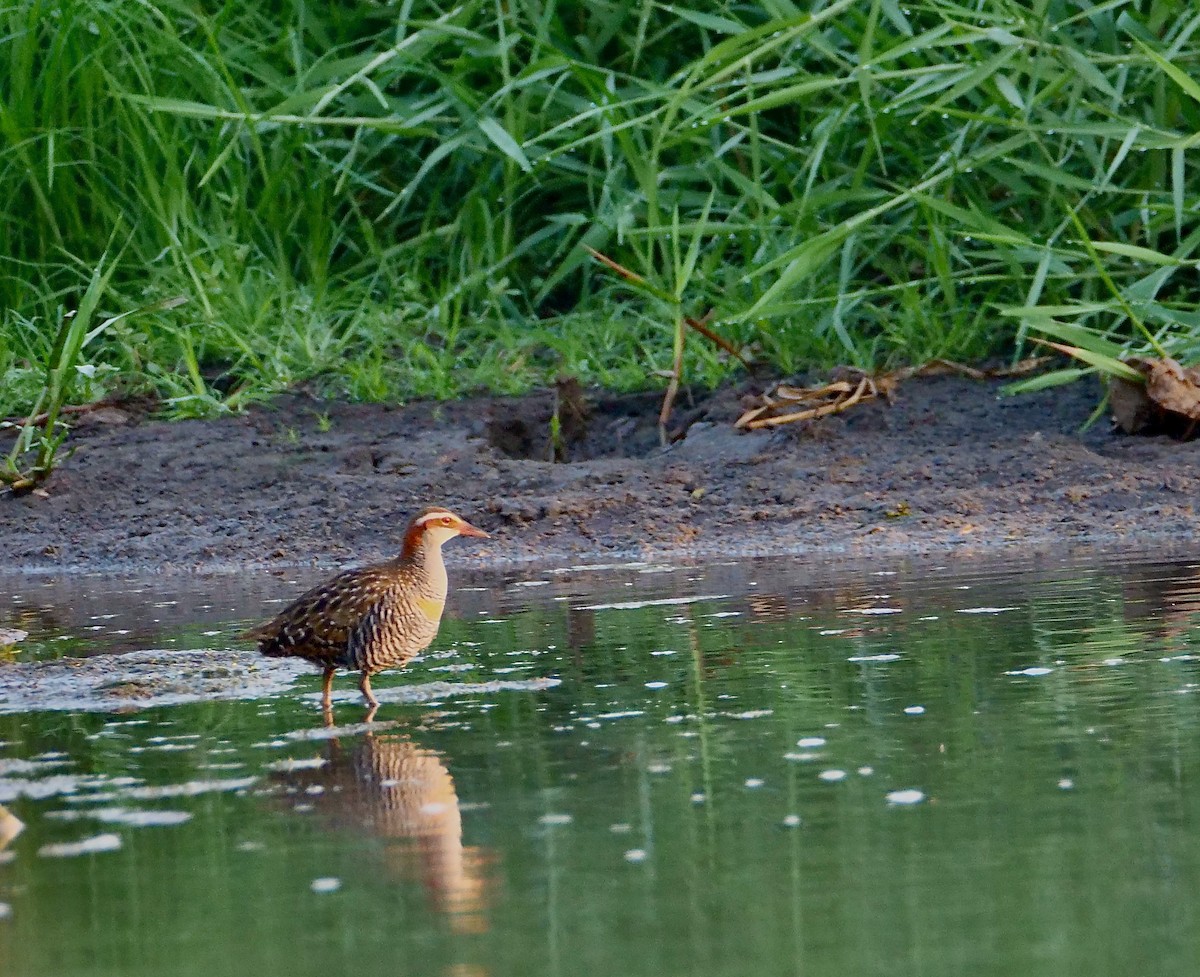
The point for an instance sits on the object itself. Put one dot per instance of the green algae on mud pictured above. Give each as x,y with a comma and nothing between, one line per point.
152,679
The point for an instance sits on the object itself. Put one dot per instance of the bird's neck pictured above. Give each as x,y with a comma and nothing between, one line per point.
426,557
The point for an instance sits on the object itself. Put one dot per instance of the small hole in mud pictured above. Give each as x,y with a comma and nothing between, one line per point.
567,424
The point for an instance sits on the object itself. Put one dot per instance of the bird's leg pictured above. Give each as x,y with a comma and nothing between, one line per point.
365,685
326,690
370,716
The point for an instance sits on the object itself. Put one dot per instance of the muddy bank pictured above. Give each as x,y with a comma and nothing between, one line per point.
951,465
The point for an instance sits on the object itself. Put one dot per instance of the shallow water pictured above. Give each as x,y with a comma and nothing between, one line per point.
752,769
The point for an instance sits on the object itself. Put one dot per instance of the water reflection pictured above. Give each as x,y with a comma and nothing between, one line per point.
387,785
1168,601
10,827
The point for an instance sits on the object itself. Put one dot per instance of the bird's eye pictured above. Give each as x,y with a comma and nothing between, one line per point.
447,521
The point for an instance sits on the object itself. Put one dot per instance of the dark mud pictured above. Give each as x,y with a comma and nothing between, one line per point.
951,465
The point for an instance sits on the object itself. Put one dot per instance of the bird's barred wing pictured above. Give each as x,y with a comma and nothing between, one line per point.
368,637
319,624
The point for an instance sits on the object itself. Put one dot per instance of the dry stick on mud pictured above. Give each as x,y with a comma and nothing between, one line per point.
841,395
700,325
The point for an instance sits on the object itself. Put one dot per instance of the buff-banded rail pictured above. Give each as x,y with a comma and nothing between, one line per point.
375,617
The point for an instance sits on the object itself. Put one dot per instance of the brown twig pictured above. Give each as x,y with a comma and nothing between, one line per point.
664,415
701,326
841,395
68,409
620,269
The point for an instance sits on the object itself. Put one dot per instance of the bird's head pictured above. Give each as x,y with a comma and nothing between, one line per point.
437,525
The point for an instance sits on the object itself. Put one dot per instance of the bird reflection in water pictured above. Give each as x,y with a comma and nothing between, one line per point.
10,826
387,785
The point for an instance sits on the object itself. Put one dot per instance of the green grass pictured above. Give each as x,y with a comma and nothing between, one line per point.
393,201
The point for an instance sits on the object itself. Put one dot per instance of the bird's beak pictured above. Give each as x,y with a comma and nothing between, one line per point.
466,529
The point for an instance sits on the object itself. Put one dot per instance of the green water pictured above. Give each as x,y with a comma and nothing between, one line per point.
902,773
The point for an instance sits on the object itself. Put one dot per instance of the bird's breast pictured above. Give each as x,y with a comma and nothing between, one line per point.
430,608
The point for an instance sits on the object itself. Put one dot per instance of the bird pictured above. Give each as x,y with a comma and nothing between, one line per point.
374,617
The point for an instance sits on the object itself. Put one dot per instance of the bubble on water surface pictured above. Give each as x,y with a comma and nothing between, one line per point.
86,846
791,820
629,605
874,658
189,789
909,796
555,819
914,710
656,685
16,765
293,763
832,776
121,815
810,742
984,610
1066,783
325,885
753,782
875,610
865,771
621,828
658,768
635,855
1033,671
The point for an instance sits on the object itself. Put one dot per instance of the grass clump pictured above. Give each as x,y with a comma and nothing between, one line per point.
396,201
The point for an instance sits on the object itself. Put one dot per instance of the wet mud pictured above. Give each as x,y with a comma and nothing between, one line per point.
951,465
